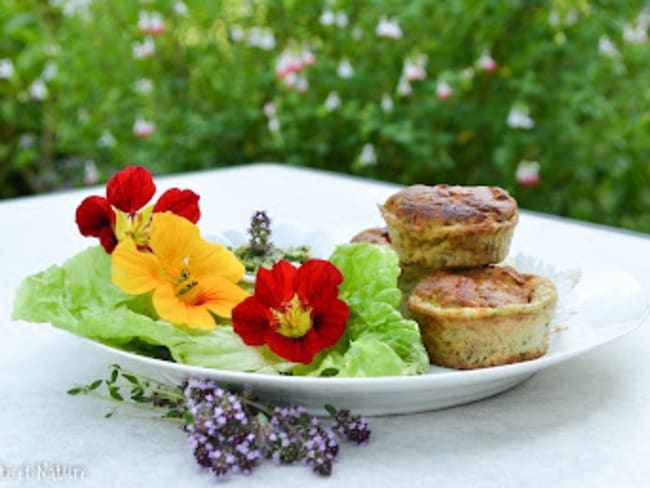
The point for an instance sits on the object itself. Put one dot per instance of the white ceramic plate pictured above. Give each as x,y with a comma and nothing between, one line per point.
605,304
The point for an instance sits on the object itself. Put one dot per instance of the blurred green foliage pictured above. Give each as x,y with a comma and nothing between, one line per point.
71,90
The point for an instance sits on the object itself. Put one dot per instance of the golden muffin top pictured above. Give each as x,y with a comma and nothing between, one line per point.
489,287
446,205
374,235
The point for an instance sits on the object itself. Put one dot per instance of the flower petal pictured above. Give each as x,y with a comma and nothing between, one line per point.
251,321
329,322
133,271
108,240
181,202
219,295
172,309
301,350
130,189
172,238
208,259
93,216
317,281
276,286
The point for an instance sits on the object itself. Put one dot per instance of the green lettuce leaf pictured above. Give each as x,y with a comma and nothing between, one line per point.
80,297
378,340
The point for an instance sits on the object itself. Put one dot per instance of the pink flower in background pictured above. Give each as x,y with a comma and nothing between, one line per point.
443,90
344,69
143,128
269,109
414,68
388,28
288,63
527,173
486,62
290,80
308,57
6,69
150,23
144,49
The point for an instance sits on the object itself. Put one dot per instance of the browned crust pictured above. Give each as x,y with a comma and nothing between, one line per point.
446,205
478,287
374,235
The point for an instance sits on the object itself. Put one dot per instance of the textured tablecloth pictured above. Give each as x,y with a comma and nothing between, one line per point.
584,423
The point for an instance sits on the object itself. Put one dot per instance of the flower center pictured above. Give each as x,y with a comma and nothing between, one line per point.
135,227
185,284
293,319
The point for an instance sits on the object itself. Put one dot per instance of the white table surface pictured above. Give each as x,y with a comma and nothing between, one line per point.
583,423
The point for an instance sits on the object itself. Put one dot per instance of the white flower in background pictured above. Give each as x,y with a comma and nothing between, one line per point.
386,103
143,127
519,118
26,140
414,68
368,156
50,70
302,85
486,62
341,19
345,69
606,47
274,124
527,173
144,49
643,20
357,33
38,90
332,102
571,17
290,80
269,109
91,173
635,34
180,9
106,139
72,7
143,86
6,69
443,90
327,18
237,34
553,19
262,38
144,22
388,28
467,74
404,87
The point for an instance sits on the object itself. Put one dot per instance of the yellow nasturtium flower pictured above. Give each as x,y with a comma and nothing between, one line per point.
189,277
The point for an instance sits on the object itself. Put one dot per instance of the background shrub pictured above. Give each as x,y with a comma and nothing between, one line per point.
560,83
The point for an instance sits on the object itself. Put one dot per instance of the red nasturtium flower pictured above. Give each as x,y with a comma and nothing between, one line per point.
296,311
120,215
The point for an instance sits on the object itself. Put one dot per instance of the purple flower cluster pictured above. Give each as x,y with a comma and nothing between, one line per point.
231,433
220,433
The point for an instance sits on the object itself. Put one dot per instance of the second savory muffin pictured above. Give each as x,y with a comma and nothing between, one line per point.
444,226
482,317
375,235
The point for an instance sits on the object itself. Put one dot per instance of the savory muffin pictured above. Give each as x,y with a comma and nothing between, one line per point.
374,235
444,226
482,317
